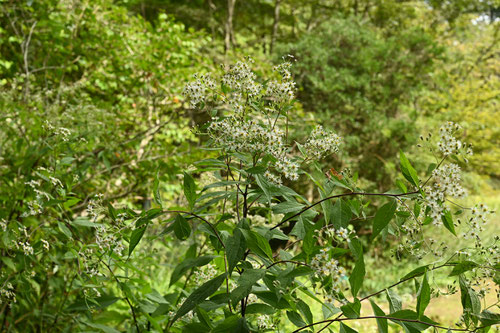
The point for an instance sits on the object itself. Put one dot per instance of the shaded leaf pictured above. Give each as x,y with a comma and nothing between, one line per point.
199,295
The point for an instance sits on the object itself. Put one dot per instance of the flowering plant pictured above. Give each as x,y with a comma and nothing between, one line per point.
259,249
250,281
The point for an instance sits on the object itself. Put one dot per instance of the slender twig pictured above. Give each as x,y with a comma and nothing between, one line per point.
287,261
437,167
389,318
339,196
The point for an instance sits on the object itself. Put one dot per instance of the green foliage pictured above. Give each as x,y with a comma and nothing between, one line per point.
362,83
109,224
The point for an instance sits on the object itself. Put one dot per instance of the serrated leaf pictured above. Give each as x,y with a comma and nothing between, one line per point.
489,318
198,296
416,272
262,308
305,310
383,217
357,276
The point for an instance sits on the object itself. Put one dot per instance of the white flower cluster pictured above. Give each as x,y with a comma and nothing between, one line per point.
341,233
446,184
94,206
447,181
27,248
198,90
3,224
7,293
87,259
264,322
234,134
107,240
479,217
284,91
448,144
204,274
322,142
324,265
250,129
241,80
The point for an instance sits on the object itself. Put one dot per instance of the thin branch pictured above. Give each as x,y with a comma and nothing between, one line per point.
389,318
287,261
339,196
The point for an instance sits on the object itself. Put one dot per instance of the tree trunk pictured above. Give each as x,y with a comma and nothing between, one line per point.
275,24
229,38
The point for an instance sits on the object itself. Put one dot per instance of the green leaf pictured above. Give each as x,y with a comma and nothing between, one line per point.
469,298
381,322
423,296
448,222
416,272
189,189
352,310
305,310
99,303
309,241
341,214
135,238
395,303
84,222
245,284
156,191
257,243
287,207
199,295
255,308
357,276
346,329
463,267
383,217
182,229
407,169
295,318
264,185
187,264
235,249
411,327
230,324
489,318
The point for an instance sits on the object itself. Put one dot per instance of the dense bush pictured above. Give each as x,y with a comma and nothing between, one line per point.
363,83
